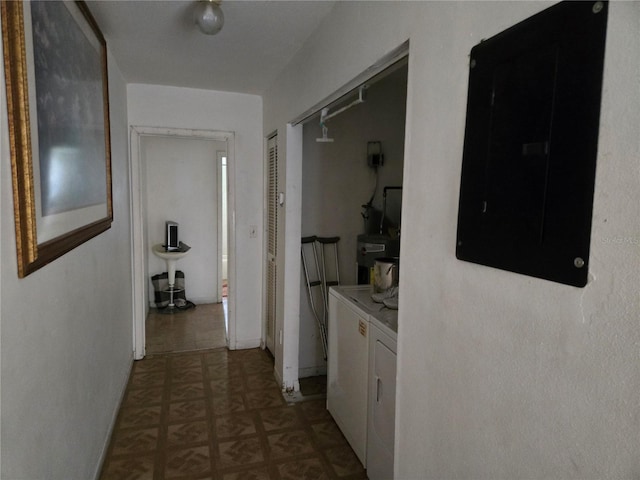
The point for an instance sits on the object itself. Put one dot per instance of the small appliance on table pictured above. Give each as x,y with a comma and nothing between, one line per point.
172,251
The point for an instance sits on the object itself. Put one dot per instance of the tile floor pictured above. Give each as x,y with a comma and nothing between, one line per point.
219,414
197,328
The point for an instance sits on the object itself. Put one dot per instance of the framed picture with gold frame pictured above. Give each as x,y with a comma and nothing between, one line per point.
58,115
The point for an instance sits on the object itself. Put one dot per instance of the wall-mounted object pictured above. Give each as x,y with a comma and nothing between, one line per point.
325,130
325,115
60,150
375,158
530,146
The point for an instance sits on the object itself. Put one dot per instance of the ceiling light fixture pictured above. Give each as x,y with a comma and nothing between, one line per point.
209,17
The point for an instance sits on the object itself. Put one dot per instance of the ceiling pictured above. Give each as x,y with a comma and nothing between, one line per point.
157,42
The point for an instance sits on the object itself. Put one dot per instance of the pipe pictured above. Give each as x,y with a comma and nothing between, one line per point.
384,205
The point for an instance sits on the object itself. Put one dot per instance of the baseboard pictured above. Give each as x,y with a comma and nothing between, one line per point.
114,416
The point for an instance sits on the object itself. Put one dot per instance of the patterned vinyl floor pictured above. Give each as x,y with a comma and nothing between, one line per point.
219,414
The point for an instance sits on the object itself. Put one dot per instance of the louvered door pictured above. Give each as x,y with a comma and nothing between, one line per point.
272,240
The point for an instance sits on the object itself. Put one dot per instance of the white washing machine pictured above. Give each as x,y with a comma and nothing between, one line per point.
361,370
347,368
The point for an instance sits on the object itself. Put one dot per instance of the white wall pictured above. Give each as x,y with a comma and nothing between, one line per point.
499,375
184,108
66,331
181,185
336,182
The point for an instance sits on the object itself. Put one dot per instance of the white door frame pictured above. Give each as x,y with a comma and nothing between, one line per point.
139,247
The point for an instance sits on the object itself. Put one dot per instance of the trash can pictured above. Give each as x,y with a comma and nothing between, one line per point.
162,293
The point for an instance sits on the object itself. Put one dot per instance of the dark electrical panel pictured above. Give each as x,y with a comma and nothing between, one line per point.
530,146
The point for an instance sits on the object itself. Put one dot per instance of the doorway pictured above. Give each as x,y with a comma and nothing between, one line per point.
288,324
145,234
223,235
370,190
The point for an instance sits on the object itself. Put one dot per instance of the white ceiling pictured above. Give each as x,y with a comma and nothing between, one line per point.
157,42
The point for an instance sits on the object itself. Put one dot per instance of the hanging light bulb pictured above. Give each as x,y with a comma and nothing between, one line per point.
209,16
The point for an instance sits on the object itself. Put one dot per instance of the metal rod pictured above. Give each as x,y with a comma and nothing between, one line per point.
325,115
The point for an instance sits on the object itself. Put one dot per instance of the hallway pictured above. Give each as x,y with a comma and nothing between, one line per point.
219,414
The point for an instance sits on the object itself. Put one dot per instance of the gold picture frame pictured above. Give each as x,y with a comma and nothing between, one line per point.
58,116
